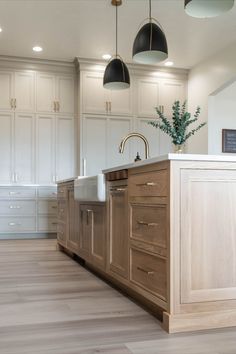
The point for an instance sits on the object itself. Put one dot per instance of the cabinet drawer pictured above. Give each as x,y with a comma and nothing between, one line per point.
149,184
14,192
61,191
17,224
17,207
149,223
47,207
47,224
47,192
149,272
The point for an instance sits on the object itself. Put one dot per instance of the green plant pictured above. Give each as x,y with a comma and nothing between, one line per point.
177,127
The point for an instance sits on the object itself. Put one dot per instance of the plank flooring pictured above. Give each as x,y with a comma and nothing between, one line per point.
51,305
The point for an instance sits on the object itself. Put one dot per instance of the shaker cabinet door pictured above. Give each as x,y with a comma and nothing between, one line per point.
24,148
24,91
45,93
45,149
6,153
6,90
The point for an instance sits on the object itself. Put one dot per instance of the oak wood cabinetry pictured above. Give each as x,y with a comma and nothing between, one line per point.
68,216
118,226
93,234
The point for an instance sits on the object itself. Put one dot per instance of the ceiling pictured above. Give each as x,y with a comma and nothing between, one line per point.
86,28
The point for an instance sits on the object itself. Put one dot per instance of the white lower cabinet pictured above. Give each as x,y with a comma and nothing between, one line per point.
28,210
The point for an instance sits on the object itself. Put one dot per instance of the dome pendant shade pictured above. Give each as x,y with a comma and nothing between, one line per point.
116,76
150,45
207,8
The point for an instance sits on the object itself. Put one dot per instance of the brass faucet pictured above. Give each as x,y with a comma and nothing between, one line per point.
137,135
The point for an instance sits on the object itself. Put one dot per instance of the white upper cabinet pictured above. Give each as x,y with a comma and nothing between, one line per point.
24,93
45,93
65,94
55,93
171,91
6,90
148,97
24,148
65,147
6,130
159,93
96,99
45,149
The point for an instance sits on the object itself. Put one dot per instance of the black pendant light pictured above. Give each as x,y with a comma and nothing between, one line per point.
150,44
207,8
116,76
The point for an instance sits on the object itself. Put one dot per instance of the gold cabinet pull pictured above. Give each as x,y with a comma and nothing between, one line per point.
147,223
148,272
106,107
118,190
54,207
15,103
54,106
109,103
55,223
12,102
149,184
58,106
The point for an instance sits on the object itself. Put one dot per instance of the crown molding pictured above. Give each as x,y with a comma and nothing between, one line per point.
35,64
138,69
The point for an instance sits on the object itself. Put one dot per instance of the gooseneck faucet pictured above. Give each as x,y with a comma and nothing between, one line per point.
136,135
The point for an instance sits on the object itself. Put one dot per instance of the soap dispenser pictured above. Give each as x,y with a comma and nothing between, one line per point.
137,158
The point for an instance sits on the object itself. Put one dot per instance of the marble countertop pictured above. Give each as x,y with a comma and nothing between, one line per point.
180,157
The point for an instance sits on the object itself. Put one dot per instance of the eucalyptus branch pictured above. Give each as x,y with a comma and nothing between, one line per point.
176,127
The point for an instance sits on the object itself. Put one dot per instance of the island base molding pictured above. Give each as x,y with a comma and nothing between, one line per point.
189,322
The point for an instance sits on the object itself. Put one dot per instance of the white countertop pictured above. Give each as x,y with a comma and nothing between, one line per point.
176,156
66,180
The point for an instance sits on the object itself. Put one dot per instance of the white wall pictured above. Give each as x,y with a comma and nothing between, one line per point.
205,79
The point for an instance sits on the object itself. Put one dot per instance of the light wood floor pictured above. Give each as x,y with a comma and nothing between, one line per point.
51,305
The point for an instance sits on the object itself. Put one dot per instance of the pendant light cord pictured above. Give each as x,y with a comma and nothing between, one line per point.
116,30
150,10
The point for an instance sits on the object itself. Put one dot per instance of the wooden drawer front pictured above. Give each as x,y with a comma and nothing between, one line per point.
47,224
148,184
47,192
149,224
47,207
61,191
14,192
61,211
17,224
17,207
149,272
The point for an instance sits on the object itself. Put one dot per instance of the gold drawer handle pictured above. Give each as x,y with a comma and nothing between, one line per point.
118,190
54,223
61,192
147,223
148,272
54,207
149,184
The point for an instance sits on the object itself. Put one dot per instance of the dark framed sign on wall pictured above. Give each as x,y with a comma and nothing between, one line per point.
229,140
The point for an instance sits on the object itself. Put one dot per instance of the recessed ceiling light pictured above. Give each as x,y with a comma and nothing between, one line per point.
169,63
0,29
106,56
37,49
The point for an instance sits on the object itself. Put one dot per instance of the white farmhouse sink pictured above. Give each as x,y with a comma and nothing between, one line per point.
90,189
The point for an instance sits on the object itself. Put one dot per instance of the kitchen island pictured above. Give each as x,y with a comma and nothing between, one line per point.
170,237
